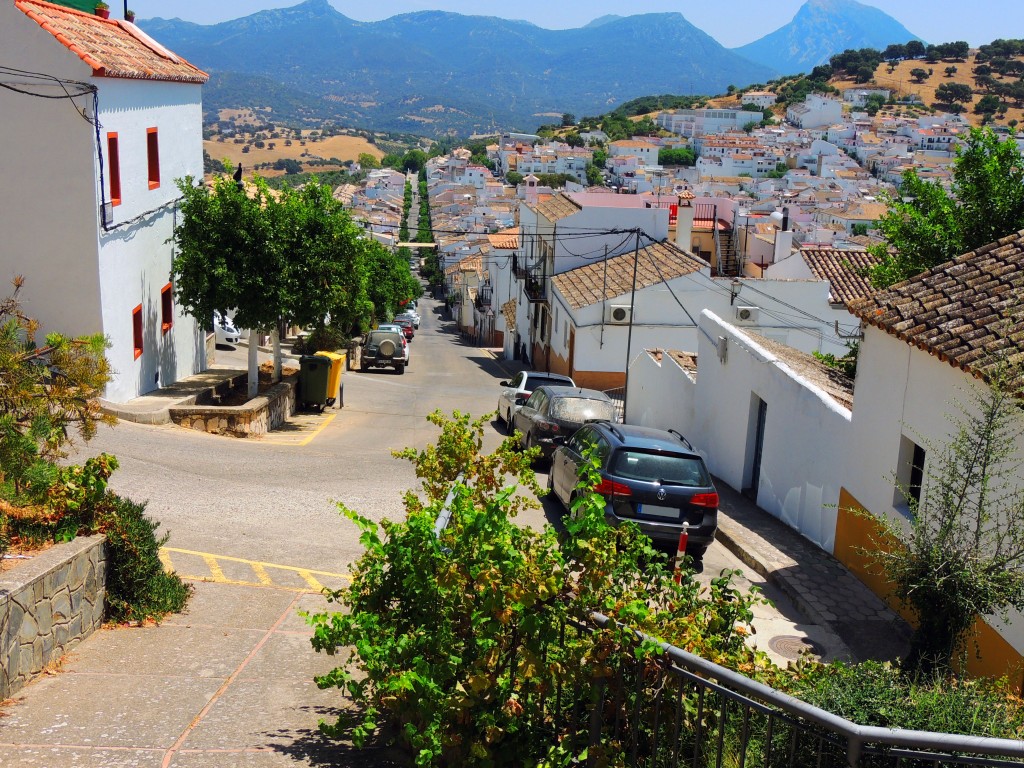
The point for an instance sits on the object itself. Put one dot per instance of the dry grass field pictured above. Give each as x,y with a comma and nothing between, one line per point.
302,146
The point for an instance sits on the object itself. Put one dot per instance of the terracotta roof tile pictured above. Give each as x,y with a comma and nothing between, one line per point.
507,239
968,312
844,270
111,47
557,207
582,286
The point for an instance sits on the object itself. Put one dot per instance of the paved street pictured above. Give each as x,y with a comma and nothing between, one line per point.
253,526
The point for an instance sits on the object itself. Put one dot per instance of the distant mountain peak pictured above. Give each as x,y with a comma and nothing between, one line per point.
602,20
822,28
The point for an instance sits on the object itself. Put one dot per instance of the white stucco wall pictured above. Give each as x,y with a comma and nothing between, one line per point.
81,279
904,391
48,205
135,255
805,436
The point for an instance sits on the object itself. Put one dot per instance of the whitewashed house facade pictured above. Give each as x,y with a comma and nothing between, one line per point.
89,220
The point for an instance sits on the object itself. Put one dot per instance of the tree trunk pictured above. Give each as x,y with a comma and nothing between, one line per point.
254,365
275,338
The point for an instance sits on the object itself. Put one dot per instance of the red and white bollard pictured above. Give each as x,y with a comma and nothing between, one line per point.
684,537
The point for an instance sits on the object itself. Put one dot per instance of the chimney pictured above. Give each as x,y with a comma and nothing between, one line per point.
684,221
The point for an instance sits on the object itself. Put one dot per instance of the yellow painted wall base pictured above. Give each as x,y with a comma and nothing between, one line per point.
988,653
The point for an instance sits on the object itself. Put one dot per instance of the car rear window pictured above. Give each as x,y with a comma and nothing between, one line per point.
581,409
670,468
541,381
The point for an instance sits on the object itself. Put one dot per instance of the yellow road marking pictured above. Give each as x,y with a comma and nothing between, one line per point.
311,581
214,566
308,439
262,571
165,558
295,568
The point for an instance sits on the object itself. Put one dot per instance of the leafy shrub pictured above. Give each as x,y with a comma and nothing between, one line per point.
329,339
462,639
873,693
138,587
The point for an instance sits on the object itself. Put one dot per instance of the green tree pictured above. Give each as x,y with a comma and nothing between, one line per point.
594,176
414,160
600,158
514,178
953,93
874,103
284,259
367,161
681,156
568,120
962,555
987,104
919,74
926,226
950,70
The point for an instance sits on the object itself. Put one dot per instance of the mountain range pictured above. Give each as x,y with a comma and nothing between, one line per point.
434,72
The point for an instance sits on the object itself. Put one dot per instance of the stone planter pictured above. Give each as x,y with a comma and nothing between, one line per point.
254,419
47,606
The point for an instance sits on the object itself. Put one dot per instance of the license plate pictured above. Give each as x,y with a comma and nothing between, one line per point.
653,510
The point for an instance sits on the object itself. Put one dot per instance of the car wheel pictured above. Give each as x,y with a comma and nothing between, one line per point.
508,420
399,369
551,481
363,367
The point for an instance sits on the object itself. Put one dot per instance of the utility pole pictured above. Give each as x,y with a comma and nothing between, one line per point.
629,336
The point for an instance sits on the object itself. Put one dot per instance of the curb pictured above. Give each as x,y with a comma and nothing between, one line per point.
152,418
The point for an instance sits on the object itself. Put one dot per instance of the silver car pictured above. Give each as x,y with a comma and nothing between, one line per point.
518,389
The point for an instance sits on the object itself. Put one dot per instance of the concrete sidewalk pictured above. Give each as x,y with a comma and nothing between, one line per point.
228,683
821,587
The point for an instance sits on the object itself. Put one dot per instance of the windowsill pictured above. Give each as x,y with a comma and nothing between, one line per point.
138,353
903,510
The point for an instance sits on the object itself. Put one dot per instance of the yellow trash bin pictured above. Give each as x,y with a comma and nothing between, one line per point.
334,377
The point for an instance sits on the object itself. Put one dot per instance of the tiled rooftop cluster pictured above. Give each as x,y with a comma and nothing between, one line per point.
968,312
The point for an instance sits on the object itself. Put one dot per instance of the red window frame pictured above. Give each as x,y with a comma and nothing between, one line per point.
137,330
166,308
114,168
153,157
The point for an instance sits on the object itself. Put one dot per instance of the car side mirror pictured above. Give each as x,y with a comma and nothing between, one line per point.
521,400
558,440
504,384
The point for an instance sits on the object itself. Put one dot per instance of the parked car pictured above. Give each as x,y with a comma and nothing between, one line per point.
407,327
553,414
382,349
652,477
399,330
224,329
518,390
412,314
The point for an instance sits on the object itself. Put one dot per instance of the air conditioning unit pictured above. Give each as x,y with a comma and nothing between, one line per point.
618,314
746,314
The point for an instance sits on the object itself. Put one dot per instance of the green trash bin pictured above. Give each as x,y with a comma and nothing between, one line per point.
314,373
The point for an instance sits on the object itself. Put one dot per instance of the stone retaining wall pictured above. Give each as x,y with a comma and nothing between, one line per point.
256,417
47,606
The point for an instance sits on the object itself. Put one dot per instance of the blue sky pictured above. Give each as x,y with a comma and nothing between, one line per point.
731,23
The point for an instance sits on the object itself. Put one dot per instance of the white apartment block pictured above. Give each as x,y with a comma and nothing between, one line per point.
697,122
816,111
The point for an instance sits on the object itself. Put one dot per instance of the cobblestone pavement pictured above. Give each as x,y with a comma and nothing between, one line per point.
819,585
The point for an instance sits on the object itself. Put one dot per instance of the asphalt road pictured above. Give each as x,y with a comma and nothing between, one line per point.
274,503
